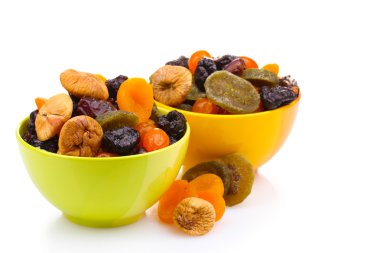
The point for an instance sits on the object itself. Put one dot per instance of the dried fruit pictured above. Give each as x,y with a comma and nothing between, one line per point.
155,139
93,107
82,84
106,154
204,105
75,101
50,145
289,82
40,102
204,69
249,63
32,122
122,141
113,85
179,190
52,115
155,114
181,61
274,68
116,119
195,216
185,107
274,97
208,182
171,84
224,60
101,77
144,127
136,95
194,93
216,200
231,92
236,67
213,167
260,77
80,136
242,176
174,124
195,58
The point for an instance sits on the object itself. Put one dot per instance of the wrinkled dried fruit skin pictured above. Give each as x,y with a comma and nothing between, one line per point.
174,124
277,96
32,122
181,61
260,77
50,145
116,119
123,141
82,84
224,60
93,107
204,69
232,93
288,81
80,136
113,86
235,67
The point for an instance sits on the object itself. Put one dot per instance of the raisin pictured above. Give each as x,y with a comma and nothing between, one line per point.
174,124
224,60
204,68
113,86
50,145
274,97
181,61
123,141
32,120
93,107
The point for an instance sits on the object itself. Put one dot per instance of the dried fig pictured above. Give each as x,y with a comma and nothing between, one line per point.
52,115
171,84
82,84
80,136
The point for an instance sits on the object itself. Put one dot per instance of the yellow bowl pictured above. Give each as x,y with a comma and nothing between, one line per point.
102,192
258,136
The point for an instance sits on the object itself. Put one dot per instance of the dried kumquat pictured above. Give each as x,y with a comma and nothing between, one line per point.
274,68
249,63
204,105
155,139
195,58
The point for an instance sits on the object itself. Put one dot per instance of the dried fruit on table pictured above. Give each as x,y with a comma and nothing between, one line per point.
122,141
273,67
52,115
224,60
274,97
204,105
113,85
82,84
136,95
260,77
213,167
80,136
40,102
174,124
235,67
208,182
242,177
204,69
195,58
232,93
195,216
93,107
179,190
181,61
116,119
249,63
216,200
155,139
171,84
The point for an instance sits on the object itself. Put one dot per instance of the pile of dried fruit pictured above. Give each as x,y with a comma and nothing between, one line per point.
102,118
197,201
222,85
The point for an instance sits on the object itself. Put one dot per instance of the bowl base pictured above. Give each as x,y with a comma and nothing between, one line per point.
104,223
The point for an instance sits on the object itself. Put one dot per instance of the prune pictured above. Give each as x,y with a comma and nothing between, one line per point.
75,104
274,97
113,86
224,60
50,145
93,107
235,67
123,141
204,69
181,61
260,77
117,119
32,122
174,124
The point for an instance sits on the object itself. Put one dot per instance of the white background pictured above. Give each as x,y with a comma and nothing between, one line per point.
320,193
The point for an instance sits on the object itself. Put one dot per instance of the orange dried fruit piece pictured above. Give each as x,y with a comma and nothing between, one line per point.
208,182
195,58
136,95
216,200
179,190
155,139
273,67
40,102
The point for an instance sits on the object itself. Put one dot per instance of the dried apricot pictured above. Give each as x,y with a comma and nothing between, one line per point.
155,139
208,182
249,63
40,102
143,128
195,58
179,190
216,200
274,68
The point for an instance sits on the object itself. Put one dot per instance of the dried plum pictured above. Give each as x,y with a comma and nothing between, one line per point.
123,141
93,107
235,67
32,122
113,86
181,61
224,60
50,145
174,124
260,77
274,97
204,69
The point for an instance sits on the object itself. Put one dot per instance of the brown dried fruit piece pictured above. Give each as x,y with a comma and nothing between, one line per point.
80,136
195,216
52,115
171,84
82,84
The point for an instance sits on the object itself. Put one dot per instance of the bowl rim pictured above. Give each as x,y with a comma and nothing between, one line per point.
100,159
231,116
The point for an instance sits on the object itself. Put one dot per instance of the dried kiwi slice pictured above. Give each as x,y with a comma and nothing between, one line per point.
117,119
232,93
214,167
242,178
260,77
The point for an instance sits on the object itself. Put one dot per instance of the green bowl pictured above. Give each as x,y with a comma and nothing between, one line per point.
102,192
